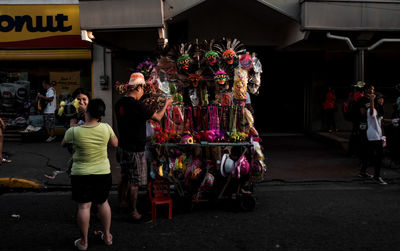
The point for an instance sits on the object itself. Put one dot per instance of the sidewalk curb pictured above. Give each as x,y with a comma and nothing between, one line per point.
19,183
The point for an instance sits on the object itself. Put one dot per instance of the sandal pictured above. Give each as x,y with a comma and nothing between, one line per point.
108,243
6,160
136,216
78,245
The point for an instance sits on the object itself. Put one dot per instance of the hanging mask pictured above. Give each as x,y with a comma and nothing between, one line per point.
240,84
183,62
212,57
255,77
240,75
246,62
172,73
229,56
229,51
221,77
145,68
195,79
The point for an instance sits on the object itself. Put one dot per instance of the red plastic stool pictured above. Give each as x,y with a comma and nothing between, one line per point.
159,192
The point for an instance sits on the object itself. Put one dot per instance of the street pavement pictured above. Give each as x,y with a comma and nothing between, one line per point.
351,216
310,199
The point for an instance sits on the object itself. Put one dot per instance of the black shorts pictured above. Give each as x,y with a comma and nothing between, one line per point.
91,188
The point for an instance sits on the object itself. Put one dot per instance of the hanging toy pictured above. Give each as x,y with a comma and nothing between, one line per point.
226,99
186,138
211,56
245,61
221,77
68,109
255,78
194,97
232,49
184,60
195,79
240,84
145,67
229,56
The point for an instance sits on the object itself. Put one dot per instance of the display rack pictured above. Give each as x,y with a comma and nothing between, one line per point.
245,202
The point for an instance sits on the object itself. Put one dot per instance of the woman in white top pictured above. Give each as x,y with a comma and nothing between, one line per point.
376,140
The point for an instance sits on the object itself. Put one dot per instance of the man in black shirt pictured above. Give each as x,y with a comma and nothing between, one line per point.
132,115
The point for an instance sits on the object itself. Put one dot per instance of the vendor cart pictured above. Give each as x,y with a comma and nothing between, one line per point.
223,187
206,145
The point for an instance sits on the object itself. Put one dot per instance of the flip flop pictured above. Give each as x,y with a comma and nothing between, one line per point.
79,246
6,160
107,243
136,216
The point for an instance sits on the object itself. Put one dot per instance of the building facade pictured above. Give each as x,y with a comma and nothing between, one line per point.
40,40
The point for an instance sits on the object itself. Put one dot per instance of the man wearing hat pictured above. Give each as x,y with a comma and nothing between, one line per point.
132,114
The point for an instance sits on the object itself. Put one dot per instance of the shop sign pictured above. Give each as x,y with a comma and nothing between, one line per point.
65,82
27,22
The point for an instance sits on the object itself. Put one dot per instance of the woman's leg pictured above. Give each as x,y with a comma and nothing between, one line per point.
104,214
83,219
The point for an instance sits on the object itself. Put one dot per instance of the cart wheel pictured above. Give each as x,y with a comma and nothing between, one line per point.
247,203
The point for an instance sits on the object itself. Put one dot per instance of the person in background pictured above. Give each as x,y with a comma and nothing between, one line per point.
83,97
376,140
49,110
357,109
132,114
329,106
91,174
2,128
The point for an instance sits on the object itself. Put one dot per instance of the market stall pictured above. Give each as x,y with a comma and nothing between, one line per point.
206,145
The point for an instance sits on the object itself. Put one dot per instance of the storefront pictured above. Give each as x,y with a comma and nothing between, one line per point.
37,42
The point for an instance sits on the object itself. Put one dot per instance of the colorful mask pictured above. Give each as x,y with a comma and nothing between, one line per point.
226,99
246,62
212,57
240,84
230,51
255,78
240,75
186,139
221,77
229,56
145,68
183,62
172,73
194,78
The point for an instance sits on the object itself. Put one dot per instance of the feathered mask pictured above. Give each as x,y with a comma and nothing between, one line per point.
145,68
232,49
184,60
211,56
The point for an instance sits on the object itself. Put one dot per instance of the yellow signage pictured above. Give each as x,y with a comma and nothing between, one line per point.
65,82
26,22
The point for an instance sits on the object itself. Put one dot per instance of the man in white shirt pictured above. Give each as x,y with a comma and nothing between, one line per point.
49,110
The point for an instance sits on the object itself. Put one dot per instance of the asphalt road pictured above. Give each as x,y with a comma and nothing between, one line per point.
332,216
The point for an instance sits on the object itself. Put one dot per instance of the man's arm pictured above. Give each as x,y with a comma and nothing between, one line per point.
46,98
158,115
